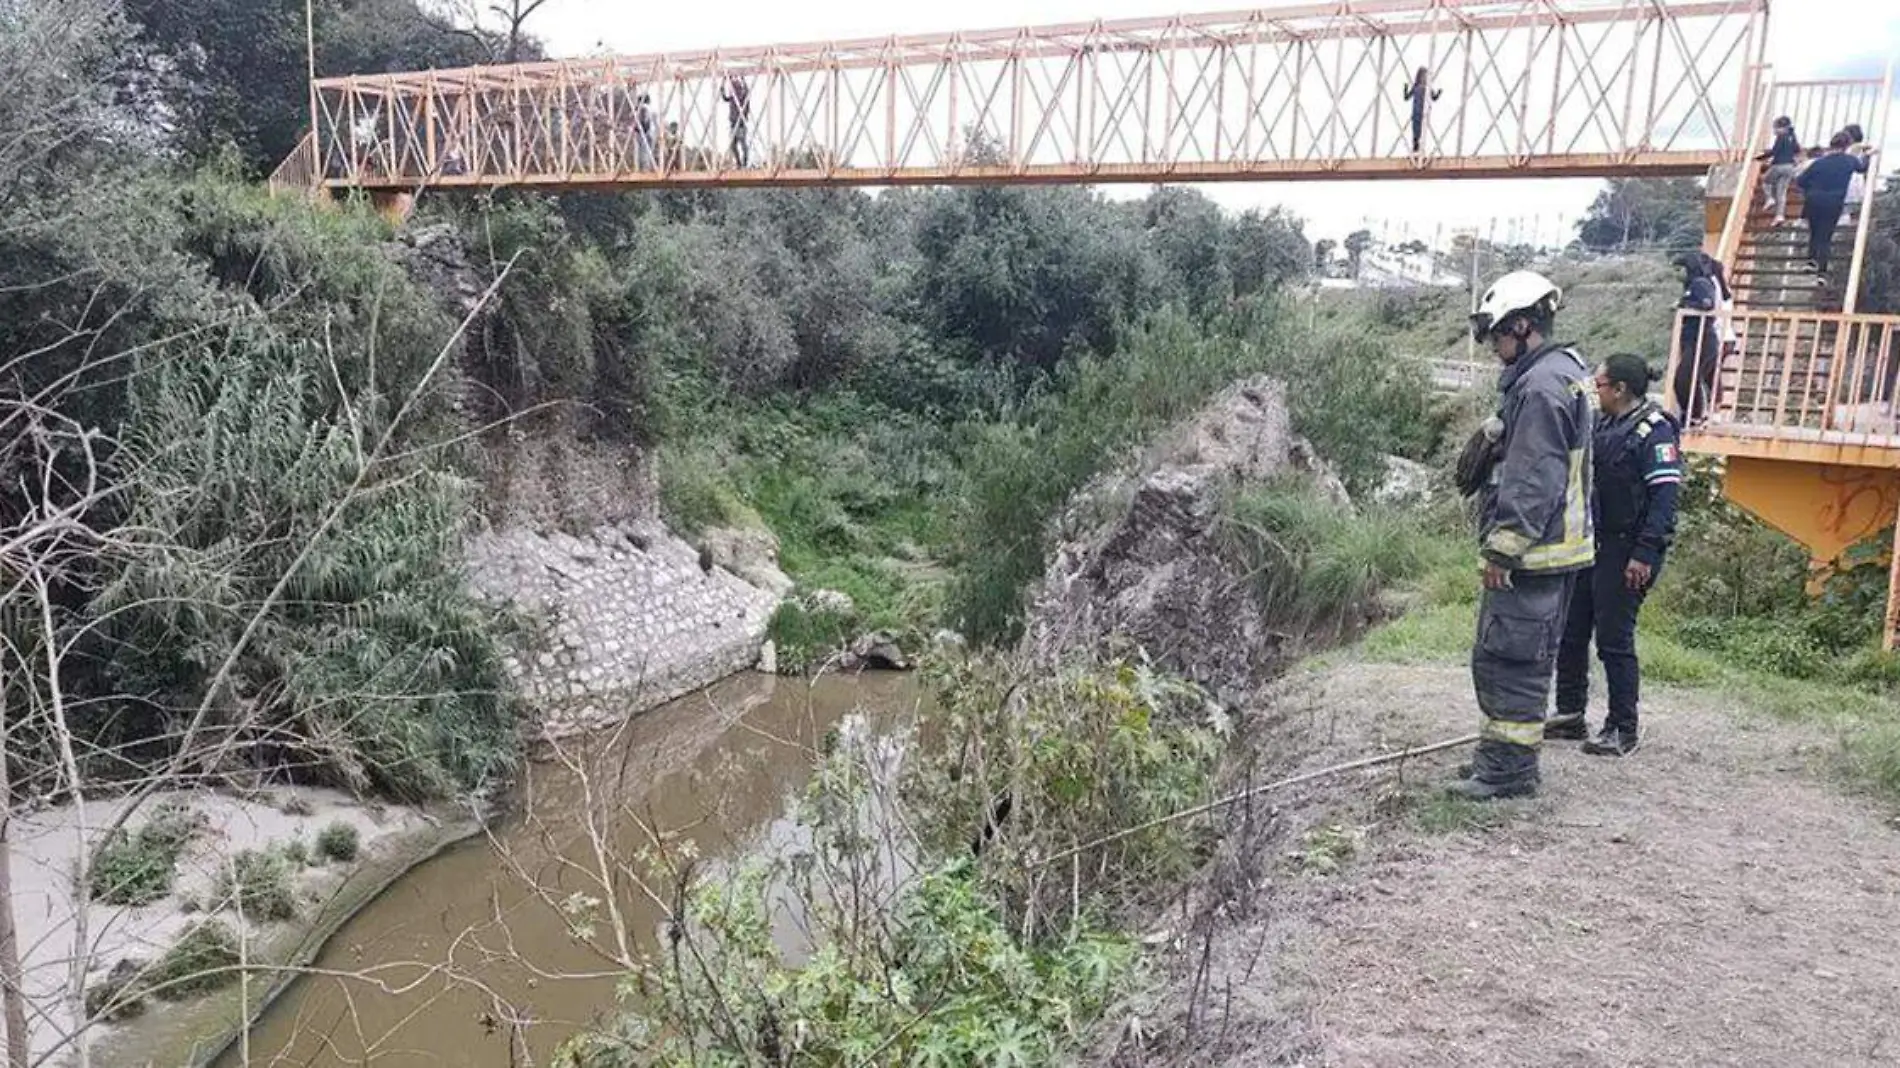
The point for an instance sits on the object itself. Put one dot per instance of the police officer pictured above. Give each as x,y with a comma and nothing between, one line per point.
1534,526
1638,468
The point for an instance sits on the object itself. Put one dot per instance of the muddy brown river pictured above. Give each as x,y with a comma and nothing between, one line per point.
471,960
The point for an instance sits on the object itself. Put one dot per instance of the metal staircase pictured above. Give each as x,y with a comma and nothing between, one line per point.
1803,412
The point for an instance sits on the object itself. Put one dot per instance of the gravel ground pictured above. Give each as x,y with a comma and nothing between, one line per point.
1712,900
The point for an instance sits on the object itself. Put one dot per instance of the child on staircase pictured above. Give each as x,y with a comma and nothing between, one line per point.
1782,159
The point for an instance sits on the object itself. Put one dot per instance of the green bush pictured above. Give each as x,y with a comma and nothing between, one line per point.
803,636
339,842
1736,588
204,958
260,882
375,667
138,867
1079,754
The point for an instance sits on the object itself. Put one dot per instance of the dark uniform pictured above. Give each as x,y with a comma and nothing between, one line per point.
1535,522
1638,468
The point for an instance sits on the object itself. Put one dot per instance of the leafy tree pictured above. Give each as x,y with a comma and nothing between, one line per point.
1186,231
1323,250
1024,276
235,73
1644,213
1357,243
1880,276
1266,250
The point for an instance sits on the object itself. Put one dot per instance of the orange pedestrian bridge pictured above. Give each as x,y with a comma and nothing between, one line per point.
1800,410
1315,91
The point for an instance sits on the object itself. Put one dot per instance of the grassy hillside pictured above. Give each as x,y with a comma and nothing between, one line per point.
1612,305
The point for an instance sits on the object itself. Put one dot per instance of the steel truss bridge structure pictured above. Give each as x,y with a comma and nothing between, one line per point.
1525,87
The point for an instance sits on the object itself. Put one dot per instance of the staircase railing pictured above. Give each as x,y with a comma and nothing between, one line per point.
1863,226
298,174
1748,180
1817,377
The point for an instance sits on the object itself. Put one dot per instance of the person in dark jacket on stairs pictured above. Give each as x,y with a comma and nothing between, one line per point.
1638,470
1824,185
1700,346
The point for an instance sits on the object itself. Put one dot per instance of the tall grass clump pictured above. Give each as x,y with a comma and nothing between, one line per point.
297,442
1319,565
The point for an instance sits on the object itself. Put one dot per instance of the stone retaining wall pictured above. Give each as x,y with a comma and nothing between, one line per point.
627,618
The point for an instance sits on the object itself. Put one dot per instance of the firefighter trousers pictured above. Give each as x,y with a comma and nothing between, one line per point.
1519,630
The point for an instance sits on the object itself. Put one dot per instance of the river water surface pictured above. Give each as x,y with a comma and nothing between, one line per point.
469,959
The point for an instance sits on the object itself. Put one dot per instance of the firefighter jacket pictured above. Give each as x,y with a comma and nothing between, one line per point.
1535,514
1638,476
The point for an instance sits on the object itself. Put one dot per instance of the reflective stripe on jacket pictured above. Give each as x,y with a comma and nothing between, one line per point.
1536,513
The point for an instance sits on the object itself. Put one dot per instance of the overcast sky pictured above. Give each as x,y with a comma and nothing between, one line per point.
1808,38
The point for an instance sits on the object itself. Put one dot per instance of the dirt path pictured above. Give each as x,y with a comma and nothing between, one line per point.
1711,901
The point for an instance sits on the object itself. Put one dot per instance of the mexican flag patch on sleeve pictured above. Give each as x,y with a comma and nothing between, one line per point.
1666,453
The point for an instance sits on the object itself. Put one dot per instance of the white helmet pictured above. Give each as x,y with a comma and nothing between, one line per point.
1518,292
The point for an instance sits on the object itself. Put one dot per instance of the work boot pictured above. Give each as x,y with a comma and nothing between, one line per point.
1479,790
1612,741
1497,770
1566,727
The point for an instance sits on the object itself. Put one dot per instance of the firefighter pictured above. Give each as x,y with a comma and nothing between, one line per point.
1530,467
1638,469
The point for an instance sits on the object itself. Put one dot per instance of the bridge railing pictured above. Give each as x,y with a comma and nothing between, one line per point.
1863,226
1748,173
298,175
1576,86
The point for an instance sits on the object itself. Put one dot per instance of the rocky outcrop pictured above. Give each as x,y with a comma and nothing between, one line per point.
1142,564
876,651
624,619
750,553
1407,482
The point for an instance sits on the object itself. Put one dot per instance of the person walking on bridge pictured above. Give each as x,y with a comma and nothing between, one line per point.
1637,460
1534,526
1421,94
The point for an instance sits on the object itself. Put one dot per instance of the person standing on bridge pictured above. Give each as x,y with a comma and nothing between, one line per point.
1421,94
1534,526
1824,185
645,132
1638,473
738,100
